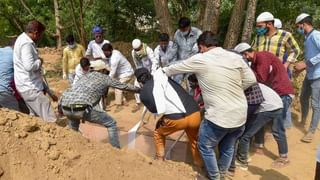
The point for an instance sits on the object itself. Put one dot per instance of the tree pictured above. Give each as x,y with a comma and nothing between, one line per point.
235,24
211,16
249,21
58,25
163,15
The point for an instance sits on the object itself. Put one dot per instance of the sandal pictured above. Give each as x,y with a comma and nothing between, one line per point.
280,163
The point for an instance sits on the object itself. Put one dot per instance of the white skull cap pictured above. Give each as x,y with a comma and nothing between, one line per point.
301,17
240,48
136,43
277,23
265,16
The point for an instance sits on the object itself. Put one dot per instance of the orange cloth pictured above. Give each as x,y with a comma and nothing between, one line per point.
191,126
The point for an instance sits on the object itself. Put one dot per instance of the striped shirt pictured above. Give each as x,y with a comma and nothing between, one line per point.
279,44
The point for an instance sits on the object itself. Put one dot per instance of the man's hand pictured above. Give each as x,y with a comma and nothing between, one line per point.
300,66
286,65
54,98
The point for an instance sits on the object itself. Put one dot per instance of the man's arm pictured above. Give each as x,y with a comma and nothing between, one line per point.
114,62
248,77
153,59
185,66
127,87
293,50
262,70
316,59
28,61
64,64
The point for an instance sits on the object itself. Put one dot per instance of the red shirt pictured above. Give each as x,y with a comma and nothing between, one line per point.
270,71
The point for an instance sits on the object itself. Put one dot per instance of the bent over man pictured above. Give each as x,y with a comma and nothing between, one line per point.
81,101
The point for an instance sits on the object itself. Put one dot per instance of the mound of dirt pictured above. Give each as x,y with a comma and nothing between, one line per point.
33,149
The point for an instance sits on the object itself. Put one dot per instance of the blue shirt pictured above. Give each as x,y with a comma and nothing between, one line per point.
6,68
312,54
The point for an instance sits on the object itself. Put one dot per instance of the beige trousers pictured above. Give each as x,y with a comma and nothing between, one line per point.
119,98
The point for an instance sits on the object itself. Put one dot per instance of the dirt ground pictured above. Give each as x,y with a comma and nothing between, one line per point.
31,149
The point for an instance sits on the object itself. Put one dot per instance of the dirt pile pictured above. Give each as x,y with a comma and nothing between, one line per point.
33,149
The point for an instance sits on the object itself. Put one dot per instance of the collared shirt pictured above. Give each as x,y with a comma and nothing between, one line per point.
165,58
272,100
223,76
279,44
312,54
6,69
187,46
71,58
271,72
148,61
120,66
27,65
90,88
94,49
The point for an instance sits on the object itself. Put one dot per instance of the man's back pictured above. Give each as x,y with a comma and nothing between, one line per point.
120,66
6,68
222,77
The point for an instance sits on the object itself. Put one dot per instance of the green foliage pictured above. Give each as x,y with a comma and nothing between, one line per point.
124,20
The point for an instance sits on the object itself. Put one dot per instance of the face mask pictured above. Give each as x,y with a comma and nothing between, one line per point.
164,47
261,31
301,30
185,33
71,46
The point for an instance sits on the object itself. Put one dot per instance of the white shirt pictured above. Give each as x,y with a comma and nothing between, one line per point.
272,100
165,96
94,49
223,76
119,65
165,58
79,73
149,61
27,65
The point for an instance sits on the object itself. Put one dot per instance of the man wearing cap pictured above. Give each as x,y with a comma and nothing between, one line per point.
120,69
71,57
276,41
28,75
143,56
311,83
80,102
94,51
163,96
185,38
223,76
270,71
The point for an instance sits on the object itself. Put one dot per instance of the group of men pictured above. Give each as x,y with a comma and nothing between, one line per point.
242,89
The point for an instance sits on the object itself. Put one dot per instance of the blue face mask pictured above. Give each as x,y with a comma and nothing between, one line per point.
261,31
301,31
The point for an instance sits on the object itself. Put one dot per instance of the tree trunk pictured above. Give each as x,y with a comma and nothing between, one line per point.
82,30
163,16
235,23
249,21
58,25
27,8
78,26
211,16
202,9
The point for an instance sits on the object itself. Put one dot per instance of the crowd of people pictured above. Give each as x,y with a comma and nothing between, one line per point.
231,96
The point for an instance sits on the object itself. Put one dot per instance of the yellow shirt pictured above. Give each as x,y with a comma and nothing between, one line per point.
71,58
282,44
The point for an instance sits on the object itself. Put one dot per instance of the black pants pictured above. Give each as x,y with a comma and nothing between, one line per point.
317,174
